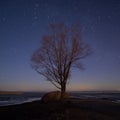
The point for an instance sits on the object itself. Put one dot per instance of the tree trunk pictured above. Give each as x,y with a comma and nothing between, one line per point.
63,90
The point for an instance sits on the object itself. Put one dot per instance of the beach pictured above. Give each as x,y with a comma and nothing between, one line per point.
69,109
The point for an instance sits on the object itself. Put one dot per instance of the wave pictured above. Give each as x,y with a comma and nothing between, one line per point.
15,102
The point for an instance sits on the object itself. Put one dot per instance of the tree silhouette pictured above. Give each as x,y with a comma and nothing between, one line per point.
60,50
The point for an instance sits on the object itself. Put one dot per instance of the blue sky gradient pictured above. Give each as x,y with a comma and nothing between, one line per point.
22,24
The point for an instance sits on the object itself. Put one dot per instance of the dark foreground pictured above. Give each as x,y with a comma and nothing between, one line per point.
73,109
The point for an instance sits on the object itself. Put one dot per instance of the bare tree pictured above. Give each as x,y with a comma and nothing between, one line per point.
60,50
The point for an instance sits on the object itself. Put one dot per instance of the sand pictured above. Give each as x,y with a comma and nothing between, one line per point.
70,109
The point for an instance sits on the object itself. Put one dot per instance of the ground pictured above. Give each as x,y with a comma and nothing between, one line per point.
70,109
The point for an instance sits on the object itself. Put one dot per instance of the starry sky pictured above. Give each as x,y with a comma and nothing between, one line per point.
22,24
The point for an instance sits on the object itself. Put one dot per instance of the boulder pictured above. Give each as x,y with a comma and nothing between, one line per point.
53,96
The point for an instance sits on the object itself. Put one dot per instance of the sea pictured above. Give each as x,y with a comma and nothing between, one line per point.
25,97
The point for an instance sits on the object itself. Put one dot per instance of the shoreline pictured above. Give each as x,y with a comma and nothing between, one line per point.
74,109
22,102
75,99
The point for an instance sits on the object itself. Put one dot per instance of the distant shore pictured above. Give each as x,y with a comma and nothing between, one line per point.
11,92
71,109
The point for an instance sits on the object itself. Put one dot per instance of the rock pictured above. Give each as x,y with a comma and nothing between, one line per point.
53,96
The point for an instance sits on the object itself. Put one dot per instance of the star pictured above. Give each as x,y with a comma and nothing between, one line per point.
99,17
109,16
35,17
24,14
75,8
48,17
3,19
36,5
35,13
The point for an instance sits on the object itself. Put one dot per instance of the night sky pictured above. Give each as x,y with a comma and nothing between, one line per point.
22,24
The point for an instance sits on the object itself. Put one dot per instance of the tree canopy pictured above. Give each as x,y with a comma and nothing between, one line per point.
61,49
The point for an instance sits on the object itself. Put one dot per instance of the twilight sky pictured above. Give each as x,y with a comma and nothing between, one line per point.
23,22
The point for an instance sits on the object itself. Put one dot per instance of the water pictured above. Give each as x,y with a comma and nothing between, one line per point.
113,96
12,99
